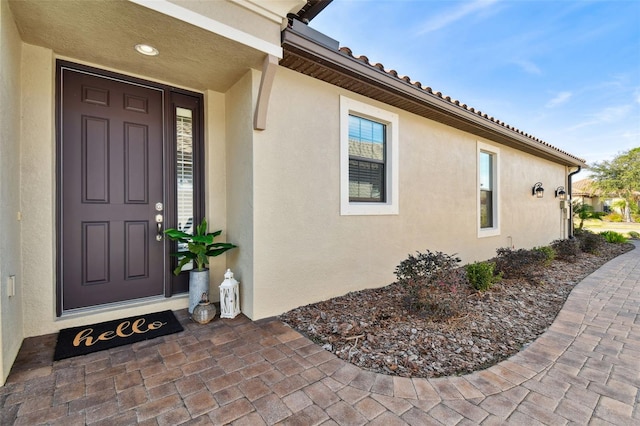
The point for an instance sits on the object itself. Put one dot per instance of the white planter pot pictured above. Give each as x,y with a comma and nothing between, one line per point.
198,284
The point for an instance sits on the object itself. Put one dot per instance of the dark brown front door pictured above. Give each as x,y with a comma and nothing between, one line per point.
111,190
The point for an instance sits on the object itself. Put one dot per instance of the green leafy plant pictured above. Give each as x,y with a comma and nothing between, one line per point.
613,217
548,252
200,246
481,275
614,237
633,234
433,283
584,211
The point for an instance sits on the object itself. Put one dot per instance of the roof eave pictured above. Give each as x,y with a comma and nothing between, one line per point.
301,51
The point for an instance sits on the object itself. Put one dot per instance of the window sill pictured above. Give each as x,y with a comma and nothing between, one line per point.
368,209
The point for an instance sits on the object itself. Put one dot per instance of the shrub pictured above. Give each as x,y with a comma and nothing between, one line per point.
613,217
548,252
589,242
416,268
614,237
481,275
433,283
520,263
567,250
634,235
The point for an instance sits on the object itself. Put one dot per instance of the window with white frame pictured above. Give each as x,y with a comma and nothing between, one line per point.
488,187
369,159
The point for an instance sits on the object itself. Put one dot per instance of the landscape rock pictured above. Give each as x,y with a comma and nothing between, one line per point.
373,330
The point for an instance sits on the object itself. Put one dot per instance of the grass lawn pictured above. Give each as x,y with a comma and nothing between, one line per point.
601,226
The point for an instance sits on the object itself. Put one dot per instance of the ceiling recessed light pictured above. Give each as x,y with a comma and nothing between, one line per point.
145,49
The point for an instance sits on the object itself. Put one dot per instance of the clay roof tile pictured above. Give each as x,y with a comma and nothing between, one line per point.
428,89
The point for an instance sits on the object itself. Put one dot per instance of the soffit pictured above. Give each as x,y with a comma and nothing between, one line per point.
105,32
311,9
342,69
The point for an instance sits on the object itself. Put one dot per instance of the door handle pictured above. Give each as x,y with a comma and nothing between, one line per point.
159,234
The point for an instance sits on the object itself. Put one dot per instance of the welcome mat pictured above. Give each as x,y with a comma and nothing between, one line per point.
86,339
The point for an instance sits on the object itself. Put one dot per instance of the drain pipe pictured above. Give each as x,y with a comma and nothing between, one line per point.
571,201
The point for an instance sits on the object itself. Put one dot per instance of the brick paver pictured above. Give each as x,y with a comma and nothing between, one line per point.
584,369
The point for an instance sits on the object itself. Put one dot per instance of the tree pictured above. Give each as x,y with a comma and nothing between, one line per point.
584,211
620,178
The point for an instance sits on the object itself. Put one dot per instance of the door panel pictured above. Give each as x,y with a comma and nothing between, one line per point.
111,165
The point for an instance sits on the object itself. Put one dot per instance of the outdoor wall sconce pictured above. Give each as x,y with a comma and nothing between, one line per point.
561,193
538,190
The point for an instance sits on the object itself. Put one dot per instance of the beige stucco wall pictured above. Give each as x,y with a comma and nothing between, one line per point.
262,19
216,182
10,242
305,251
240,185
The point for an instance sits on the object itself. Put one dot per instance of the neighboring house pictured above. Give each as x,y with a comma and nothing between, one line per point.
324,169
583,191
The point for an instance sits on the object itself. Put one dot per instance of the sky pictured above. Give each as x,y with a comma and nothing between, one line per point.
564,71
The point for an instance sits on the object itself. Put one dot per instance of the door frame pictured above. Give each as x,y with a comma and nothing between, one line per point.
172,97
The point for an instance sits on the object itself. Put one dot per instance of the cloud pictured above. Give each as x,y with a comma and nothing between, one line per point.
611,114
607,115
527,66
560,99
449,17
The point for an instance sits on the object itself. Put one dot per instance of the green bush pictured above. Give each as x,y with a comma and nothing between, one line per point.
481,275
589,241
634,235
613,217
567,250
548,252
614,237
432,281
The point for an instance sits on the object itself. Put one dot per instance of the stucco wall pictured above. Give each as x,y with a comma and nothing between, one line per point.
216,182
262,19
305,251
10,242
240,186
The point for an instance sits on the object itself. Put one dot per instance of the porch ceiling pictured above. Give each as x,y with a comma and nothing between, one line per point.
105,33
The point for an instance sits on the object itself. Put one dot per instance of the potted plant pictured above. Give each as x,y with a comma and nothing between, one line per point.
199,247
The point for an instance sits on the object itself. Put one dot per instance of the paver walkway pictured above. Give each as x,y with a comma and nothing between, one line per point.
584,370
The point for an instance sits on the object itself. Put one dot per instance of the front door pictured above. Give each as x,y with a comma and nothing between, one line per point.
111,190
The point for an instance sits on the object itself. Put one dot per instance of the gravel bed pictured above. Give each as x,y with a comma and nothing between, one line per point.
373,330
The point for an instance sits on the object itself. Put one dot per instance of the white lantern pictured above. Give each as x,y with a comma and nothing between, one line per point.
229,296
